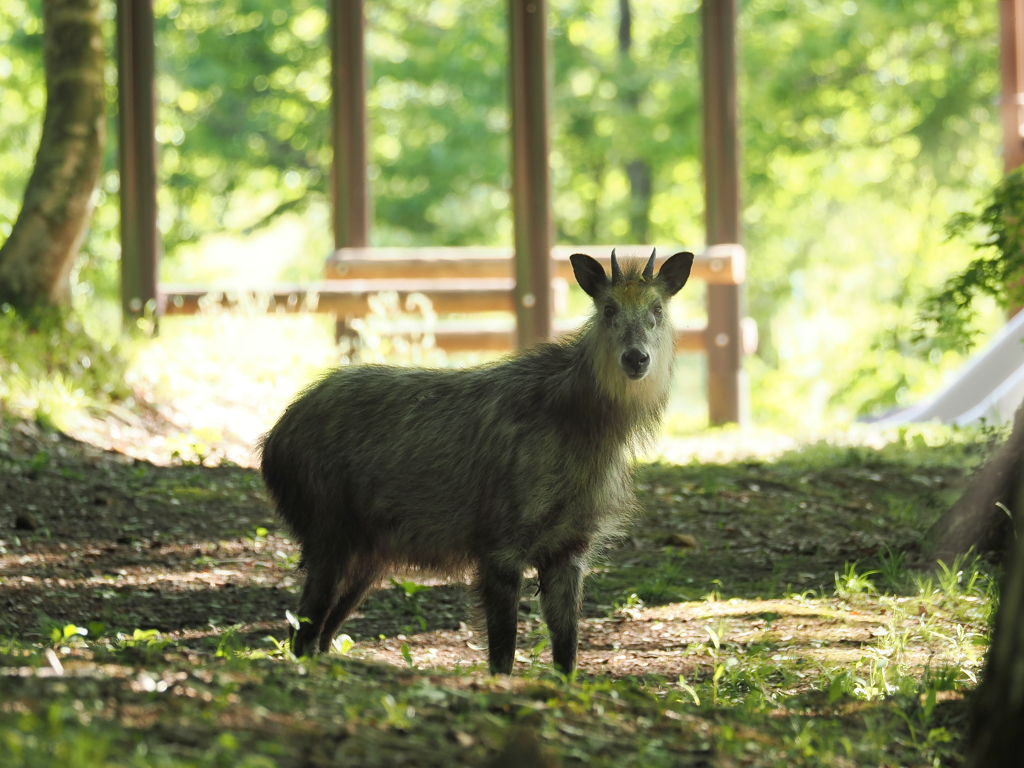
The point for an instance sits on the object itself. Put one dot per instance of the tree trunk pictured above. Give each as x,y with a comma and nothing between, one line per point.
638,171
640,201
998,708
37,258
976,520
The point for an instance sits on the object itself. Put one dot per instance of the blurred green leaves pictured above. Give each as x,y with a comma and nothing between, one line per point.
948,316
23,96
866,125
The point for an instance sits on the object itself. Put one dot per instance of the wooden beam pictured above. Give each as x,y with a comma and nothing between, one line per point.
531,185
1011,60
718,265
349,184
726,383
496,340
331,297
346,298
140,246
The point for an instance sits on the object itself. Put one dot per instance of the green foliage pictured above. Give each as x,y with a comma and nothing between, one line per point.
413,599
438,88
664,583
948,316
865,125
893,567
52,367
23,94
852,584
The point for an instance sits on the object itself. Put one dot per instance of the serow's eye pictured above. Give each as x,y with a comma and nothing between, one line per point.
609,311
657,310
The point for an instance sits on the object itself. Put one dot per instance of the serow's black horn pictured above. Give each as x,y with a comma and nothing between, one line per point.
616,269
649,269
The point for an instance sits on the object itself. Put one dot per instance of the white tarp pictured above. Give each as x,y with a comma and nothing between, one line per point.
989,386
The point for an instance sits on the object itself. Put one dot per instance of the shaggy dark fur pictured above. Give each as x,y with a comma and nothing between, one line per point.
492,469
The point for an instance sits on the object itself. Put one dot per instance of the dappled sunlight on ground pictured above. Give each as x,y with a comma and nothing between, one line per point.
776,589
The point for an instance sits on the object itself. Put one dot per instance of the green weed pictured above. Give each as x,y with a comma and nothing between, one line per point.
852,584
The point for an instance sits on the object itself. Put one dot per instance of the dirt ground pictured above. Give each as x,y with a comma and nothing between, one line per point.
91,535
734,625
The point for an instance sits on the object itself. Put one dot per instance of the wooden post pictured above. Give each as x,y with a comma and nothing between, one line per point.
726,383
1011,55
531,185
140,246
350,193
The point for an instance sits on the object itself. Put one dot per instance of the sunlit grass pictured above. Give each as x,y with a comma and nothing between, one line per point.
770,699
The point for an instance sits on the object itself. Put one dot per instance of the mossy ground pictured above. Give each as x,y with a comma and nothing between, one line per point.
739,624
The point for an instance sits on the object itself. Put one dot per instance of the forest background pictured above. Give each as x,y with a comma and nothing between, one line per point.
865,126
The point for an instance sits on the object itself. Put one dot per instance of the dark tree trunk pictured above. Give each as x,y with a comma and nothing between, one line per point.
976,520
639,174
638,171
595,209
625,27
37,258
998,708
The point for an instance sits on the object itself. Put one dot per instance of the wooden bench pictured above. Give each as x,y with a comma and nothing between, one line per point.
718,265
457,281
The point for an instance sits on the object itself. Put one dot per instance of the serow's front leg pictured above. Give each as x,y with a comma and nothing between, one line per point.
561,596
499,594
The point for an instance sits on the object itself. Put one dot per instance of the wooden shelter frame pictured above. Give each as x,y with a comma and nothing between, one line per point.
722,266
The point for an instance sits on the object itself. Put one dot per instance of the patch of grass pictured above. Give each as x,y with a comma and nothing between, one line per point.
52,369
142,700
789,622
851,584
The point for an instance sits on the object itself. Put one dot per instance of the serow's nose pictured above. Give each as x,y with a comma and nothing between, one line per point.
635,362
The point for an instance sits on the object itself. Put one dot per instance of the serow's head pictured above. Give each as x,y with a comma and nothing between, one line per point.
631,309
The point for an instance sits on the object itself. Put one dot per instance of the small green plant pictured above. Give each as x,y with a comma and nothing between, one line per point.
288,559
398,713
69,635
537,639
902,511
851,583
714,650
407,655
281,649
258,539
664,585
689,689
892,567
229,644
38,462
630,608
342,644
145,642
412,591
924,584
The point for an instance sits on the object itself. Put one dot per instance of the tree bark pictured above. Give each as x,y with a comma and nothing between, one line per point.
638,171
998,707
976,519
37,258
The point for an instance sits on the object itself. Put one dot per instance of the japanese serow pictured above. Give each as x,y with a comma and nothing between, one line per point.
489,470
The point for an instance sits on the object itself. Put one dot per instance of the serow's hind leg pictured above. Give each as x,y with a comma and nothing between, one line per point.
355,588
561,596
499,589
319,596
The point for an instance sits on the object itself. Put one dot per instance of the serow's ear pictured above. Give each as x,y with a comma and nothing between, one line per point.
589,273
675,272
